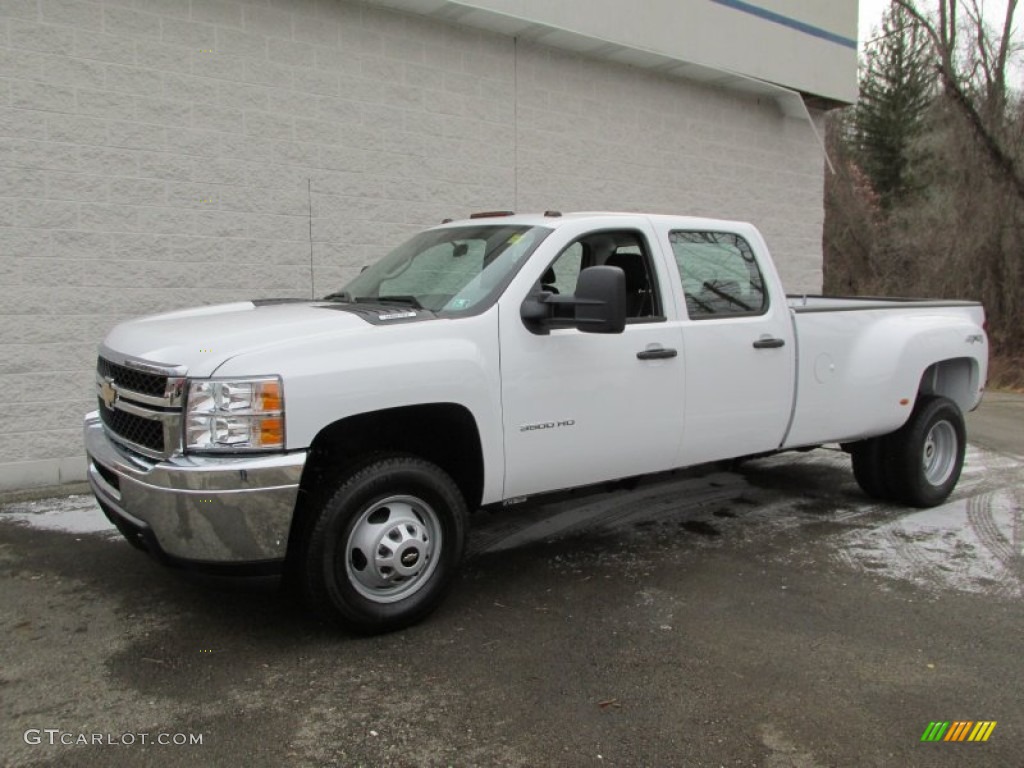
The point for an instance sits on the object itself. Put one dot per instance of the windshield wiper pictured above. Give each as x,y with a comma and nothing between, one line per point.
348,298
410,301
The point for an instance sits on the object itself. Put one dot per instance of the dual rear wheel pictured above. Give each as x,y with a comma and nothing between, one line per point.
918,464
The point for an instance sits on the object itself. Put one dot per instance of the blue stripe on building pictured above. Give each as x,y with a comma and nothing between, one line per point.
787,21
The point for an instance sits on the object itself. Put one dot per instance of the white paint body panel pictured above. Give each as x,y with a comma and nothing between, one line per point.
627,413
439,361
856,366
841,374
738,398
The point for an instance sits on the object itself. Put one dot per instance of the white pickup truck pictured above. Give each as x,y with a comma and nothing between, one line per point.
344,440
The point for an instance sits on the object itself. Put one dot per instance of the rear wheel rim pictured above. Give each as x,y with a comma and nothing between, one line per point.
393,548
938,456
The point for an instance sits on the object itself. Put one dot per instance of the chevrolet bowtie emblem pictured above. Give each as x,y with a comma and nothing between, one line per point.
108,394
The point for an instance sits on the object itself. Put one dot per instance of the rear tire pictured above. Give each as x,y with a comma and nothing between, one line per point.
922,460
869,468
383,549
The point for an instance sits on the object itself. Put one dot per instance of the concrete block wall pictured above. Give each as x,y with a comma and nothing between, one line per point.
597,136
156,154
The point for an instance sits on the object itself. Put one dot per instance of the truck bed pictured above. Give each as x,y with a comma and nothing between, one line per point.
859,362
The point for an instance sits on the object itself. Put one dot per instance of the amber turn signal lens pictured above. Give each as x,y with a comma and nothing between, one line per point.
270,396
272,433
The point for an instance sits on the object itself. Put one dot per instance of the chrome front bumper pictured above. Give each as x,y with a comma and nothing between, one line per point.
196,510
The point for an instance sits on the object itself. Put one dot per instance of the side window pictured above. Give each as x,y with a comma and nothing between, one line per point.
563,274
720,275
626,250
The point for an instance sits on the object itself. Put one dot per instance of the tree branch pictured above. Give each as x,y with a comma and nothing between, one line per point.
1004,45
1002,161
974,13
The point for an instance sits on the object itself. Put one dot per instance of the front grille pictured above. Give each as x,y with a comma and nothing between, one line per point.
147,433
152,384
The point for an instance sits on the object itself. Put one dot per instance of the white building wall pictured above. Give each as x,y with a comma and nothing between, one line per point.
598,136
808,46
168,154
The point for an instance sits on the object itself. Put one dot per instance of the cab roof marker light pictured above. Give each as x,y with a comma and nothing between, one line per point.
491,214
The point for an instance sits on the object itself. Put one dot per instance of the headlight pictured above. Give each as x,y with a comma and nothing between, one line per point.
235,415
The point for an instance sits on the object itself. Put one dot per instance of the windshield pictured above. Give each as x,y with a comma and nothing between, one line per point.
450,271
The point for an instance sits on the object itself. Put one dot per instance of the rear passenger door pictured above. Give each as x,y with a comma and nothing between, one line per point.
738,342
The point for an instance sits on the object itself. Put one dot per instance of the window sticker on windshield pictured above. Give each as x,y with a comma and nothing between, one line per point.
459,303
515,238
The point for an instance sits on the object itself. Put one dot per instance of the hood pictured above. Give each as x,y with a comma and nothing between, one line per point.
204,338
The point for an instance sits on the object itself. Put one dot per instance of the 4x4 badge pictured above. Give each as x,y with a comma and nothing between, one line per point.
108,394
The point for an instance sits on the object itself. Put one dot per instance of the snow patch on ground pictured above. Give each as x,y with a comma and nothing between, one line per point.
971,545
73,514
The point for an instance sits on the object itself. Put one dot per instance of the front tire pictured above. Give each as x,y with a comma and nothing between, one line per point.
384,547
923,458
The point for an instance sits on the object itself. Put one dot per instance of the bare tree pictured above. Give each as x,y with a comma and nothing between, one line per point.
982,105
990,57
959,233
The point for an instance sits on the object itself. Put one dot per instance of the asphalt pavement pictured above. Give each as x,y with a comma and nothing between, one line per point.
767,616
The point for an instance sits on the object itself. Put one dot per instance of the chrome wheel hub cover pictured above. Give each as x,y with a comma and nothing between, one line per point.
939,455
393,548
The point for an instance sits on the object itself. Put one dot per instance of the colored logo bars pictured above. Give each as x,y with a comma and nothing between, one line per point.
959,730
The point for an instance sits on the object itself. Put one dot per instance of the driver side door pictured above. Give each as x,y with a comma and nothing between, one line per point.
581,408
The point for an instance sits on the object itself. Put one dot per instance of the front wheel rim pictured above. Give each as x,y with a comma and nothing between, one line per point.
393,548
938,457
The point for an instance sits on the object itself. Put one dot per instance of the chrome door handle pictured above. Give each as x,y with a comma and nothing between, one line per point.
661,353
769,343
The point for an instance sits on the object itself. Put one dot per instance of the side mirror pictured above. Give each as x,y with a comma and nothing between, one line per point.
598,306
601,300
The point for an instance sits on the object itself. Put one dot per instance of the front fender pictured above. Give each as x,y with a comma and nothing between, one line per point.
437,361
